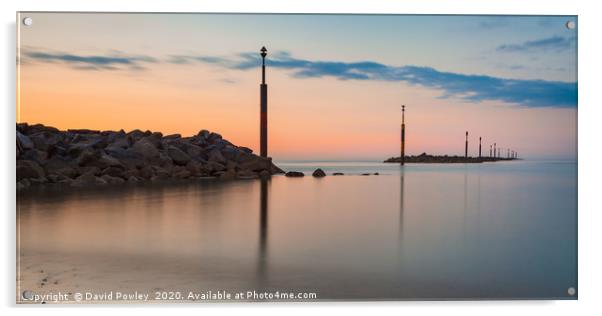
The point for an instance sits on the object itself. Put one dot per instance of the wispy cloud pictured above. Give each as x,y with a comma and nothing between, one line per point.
189,59
554,43
92,62
473,88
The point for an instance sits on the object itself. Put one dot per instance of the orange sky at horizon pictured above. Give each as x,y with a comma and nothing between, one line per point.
304,121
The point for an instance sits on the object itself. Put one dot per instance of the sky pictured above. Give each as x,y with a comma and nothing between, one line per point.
336,83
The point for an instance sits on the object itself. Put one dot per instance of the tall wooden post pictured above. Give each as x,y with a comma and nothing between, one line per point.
490,146
479,147
403,135
466,146
263,118
494,151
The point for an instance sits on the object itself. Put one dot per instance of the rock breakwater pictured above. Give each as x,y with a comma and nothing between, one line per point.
49,156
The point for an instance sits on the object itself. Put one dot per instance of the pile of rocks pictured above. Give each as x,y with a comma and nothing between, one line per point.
46,155
427,158
318,173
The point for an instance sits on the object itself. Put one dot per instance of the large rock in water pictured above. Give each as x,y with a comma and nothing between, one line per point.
319,173
213,166
66,171
214,137
87,156
110,161
254,163
45,140
87,179
112,180
231,153
114,172
24,141
28,169
120,142
178,156
246,174
146,148
228,175
216,155
294,174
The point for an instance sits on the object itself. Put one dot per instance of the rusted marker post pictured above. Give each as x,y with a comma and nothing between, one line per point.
403,135
466,146
263,125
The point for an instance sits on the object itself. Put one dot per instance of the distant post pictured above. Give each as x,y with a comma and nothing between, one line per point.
466,146
508,153
479,147
494,151
490,146
403,135
263,118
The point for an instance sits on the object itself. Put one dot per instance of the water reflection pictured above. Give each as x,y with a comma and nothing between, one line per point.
263,231
401,201
343,237
465,210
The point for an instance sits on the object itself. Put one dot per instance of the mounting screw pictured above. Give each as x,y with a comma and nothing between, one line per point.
27,295
28,21
571,291
570,25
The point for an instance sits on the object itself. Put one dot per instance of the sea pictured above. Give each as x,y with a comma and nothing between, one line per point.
499,230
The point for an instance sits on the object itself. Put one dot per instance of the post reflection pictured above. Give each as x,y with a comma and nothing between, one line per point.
401,201
465,209
263,230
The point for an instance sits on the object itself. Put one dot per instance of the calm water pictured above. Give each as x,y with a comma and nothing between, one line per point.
497,230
